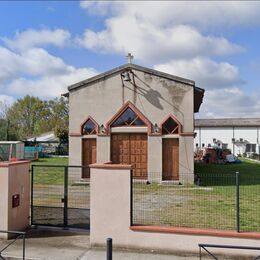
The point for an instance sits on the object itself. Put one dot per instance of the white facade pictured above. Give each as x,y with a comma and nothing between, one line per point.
243,138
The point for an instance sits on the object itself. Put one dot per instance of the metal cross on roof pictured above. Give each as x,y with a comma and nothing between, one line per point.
129,57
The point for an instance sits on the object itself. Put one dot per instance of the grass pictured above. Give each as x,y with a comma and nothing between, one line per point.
245,168
52,161
224,174
212,205
49,175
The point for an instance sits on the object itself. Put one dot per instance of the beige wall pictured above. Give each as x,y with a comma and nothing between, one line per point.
110,217
186,166
102,206
14,179
103,148
155,97
155,158
75,151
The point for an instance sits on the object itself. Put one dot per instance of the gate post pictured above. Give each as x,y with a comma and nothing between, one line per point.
109,249
65,206
32,171
237,202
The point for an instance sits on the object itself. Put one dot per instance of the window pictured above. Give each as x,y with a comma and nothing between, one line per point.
170,126
128,118
250,148
89,127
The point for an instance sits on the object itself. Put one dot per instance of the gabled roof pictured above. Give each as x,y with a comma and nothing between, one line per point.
227,122
198,92
130,66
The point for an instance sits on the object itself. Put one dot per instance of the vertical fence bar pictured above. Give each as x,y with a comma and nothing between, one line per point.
23,246
237,203
32,172
131,197
109,249
65,206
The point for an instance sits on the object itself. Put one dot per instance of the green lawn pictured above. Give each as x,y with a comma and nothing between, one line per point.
211,205
224,174
245,168
52,161
49,175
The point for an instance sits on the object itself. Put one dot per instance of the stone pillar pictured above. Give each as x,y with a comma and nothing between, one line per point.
14,196
109,202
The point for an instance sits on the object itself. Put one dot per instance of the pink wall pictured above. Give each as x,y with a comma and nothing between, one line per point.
14,179
110,217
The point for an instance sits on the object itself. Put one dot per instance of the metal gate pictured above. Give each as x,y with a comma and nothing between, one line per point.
60,196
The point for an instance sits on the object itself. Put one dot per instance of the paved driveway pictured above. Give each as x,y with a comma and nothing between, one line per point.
50,244
53,244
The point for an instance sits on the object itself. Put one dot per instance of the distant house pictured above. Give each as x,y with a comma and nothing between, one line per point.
240,135
135,115
47,143
48,137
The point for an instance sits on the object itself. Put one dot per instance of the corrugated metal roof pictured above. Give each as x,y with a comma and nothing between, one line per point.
46,137
227,122
11,142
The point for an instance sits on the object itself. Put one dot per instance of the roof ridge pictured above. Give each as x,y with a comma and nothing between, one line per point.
131,66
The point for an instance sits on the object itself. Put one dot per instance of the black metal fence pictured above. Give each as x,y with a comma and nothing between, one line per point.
60,196
207,248
214,201
5,245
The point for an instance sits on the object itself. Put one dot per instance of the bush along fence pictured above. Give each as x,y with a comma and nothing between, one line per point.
217,201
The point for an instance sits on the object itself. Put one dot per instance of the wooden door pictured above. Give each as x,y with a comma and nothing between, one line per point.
170,159
89,155
130,149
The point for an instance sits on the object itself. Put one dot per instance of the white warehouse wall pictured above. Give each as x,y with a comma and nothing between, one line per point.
205,136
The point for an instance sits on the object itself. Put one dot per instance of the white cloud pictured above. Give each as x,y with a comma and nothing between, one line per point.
206,72
36,72
151,43
49,86
33,62
39,62
156,32
34,38
101,7
202,14
5,99
230,102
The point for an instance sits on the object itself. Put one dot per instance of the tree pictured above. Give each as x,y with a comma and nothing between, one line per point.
59,110
4,121
29,116
60,120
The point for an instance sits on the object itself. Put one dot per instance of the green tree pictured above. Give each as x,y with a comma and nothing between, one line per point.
59,110
29,116
60,121
4,121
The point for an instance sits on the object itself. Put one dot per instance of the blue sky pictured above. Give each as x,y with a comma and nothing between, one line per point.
46,46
